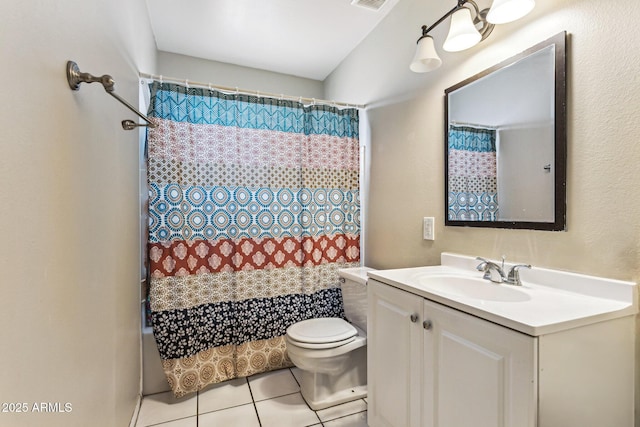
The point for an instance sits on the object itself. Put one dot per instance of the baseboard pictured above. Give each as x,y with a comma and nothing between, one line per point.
136,411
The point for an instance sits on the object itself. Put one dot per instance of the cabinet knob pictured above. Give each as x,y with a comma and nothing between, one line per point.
427,324
414,318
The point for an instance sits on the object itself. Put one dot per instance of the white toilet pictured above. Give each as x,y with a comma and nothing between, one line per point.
332,353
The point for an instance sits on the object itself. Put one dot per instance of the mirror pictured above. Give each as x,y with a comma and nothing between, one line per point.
505,133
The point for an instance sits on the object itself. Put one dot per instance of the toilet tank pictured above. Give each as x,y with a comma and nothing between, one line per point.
354,294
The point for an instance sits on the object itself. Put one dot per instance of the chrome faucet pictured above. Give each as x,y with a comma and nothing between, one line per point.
495,273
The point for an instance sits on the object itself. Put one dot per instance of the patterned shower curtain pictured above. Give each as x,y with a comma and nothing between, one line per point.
473,188
254,206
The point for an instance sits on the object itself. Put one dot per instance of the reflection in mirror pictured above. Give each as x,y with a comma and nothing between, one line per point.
506,143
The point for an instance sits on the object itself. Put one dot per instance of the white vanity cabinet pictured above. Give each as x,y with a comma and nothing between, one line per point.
430,365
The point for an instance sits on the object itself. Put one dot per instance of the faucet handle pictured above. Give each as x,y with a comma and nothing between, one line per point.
513,277
484,267
483,263
490,270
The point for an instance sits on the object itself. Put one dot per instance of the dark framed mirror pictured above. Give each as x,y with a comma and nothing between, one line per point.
506,143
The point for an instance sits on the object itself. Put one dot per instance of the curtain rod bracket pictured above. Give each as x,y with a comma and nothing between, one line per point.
75,77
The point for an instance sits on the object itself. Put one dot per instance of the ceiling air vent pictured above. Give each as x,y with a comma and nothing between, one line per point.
369,4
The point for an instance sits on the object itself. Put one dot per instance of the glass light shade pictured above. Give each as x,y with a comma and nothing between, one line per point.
462,33
426,57
503,11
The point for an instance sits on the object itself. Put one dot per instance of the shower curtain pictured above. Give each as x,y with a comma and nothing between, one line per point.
254,206
473,188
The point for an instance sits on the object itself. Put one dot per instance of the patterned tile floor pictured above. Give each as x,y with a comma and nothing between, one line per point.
271,399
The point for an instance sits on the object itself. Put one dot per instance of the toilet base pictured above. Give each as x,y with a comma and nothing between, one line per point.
324,390
343,396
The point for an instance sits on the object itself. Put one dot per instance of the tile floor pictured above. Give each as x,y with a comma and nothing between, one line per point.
271,399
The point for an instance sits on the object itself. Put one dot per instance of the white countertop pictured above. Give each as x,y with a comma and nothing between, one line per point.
558,300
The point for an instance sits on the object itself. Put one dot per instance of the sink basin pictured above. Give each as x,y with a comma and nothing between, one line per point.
472,287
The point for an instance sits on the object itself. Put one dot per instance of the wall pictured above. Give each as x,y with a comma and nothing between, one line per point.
220,73
406,116
407,147
69,256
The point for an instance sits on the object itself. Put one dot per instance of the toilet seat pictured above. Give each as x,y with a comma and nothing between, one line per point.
321,333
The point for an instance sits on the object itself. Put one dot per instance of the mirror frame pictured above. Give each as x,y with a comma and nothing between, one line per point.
560,150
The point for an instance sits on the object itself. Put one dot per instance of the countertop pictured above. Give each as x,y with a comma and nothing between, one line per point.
557,300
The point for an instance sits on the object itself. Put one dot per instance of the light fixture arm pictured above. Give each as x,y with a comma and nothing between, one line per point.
426,30
481,17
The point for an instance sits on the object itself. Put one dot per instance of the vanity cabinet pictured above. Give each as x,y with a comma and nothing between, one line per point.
430,365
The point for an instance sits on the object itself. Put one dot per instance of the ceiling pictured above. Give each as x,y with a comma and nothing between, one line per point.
305,38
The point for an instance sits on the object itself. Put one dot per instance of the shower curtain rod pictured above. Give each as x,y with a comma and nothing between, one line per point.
249,92
75,77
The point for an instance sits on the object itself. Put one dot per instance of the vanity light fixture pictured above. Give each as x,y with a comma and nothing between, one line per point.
465,30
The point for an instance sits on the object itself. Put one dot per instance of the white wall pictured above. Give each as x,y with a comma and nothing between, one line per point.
69,251
220,73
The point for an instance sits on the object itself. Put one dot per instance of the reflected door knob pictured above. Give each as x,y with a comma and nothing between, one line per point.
414,318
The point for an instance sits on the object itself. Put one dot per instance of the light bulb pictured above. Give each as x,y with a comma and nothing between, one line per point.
503,11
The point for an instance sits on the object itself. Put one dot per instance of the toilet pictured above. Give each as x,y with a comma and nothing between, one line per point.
331,353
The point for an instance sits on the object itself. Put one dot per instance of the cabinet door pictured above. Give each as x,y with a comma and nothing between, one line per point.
476,373
394,352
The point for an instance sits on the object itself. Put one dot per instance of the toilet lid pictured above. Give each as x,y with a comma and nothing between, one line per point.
322,330
319,346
